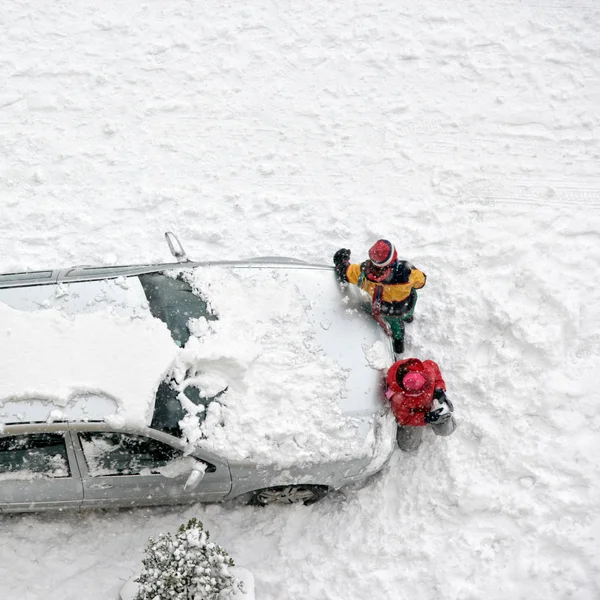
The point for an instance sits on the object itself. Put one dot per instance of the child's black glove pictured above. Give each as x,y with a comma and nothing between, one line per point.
341,256
433,415
341,260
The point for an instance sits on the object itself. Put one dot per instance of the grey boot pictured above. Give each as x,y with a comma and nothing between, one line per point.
409,437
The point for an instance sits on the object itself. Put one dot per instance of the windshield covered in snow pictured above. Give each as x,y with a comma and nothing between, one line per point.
172,301
169,410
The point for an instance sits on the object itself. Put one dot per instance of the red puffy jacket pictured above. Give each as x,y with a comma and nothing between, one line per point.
410,408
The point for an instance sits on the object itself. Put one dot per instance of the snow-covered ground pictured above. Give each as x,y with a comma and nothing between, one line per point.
466,132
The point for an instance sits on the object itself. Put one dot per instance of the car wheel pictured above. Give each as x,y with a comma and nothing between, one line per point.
288,494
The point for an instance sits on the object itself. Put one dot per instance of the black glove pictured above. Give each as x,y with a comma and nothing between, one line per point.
341,256
341,260
433,415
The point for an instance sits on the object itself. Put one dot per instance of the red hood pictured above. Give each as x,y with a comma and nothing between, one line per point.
404,366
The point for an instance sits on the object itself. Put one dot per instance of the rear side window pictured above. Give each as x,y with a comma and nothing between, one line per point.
33,456
173,302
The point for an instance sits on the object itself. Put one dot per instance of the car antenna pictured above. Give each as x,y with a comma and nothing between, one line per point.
175,247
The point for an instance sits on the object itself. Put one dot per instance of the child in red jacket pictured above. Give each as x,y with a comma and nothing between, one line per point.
418,396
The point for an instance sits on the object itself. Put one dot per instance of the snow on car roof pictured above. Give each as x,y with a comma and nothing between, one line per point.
281,392
83,356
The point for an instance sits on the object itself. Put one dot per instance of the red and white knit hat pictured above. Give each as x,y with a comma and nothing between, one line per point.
382,253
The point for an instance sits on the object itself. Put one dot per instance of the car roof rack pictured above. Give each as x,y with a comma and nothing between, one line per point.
176,248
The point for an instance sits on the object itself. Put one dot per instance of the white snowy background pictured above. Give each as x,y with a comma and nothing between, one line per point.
467,132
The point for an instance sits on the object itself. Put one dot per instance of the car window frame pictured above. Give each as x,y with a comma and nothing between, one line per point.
38,428
213,463
129,456
33,456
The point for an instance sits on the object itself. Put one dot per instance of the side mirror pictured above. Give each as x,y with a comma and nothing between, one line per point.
195,477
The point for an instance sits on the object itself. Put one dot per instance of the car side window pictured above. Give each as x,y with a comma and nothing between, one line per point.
125,454
35,455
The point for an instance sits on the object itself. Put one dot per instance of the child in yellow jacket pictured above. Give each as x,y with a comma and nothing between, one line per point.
390,282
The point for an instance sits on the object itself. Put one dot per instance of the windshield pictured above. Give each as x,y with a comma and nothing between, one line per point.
173,302
168,410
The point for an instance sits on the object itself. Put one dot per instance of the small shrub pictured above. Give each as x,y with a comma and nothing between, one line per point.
186,567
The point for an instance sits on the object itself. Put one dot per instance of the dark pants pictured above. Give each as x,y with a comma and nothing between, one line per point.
409,438
396,321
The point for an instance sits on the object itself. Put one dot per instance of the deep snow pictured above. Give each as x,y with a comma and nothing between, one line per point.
51,357
466,132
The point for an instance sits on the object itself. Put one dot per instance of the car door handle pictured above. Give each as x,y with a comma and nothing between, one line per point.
100,486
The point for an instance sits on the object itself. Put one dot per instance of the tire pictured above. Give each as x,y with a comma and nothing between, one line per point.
288,494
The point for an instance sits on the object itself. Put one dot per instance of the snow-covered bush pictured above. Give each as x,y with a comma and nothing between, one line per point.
186,567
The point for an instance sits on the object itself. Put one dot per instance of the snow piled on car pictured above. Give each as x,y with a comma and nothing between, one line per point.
278,391
54,360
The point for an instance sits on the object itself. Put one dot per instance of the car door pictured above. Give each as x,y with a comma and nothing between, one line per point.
38,471
125,469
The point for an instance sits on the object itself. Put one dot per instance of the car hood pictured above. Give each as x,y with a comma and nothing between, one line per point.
348,335
339,328
296,364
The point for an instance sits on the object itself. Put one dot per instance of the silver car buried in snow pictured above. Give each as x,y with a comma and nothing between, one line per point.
79,459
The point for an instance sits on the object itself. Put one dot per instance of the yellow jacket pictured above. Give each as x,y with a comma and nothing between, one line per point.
397,287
